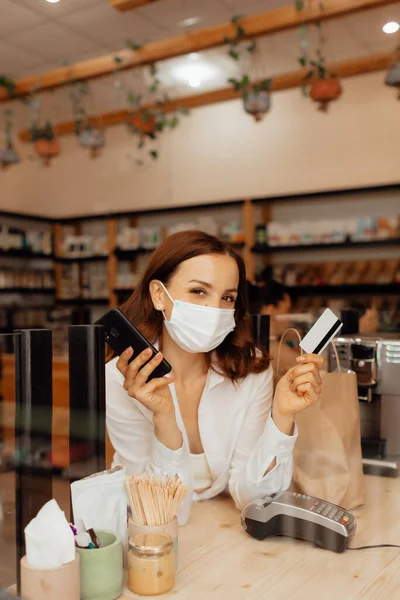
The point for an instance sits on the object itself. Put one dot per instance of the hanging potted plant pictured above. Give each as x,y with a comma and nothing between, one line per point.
325,87
322,86
89,135
148,123
8,156
45,143
93,138
393,74
256,96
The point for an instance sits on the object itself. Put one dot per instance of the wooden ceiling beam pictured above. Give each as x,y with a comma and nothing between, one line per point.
274,21
124,5
286,81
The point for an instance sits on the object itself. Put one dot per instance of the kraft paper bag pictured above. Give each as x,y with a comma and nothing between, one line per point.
327,460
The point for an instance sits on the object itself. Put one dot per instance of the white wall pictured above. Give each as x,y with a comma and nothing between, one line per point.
219,153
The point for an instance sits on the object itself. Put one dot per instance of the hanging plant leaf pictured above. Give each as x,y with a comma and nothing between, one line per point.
299,4
236,18
117,60
134,99
265,84
153,154
240,32
302,60
133,45
153,69
321,6
253,47
8,84
309,75
184,111
161,124
174,122
304,91
233,54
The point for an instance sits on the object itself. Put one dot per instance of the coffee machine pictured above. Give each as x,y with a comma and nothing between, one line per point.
376,361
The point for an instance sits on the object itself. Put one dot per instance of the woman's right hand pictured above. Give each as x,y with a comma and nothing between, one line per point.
155,394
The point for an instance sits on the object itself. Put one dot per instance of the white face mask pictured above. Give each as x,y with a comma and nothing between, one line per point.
197,328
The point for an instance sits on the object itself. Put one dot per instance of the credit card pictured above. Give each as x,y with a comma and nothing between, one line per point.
321,333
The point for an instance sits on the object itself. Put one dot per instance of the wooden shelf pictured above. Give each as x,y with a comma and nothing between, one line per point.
260,249
81,301
346,289
131,254
27,291
81,259
25,254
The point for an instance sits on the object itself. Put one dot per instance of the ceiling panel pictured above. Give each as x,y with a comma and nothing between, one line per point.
112,27
37,35
55,43
170,14
15,17
367,27
15,61
55,10
251,7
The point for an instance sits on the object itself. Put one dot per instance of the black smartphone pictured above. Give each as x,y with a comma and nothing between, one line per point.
121,334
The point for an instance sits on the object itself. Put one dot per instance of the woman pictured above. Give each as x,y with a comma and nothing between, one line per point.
211,421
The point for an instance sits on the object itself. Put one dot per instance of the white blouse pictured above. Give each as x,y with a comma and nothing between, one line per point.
202,476
239,438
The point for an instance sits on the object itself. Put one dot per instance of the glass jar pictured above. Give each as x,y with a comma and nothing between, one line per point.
171,529
151,564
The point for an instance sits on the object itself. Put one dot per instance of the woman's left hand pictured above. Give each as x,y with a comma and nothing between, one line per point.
300,387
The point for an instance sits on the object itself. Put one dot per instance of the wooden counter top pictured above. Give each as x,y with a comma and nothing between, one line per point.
219,560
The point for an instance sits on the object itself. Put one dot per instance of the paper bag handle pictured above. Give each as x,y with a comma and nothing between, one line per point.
278,358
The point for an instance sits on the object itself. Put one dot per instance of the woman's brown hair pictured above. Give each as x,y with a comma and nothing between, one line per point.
237,355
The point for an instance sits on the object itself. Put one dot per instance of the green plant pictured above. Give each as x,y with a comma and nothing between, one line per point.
255,94
78,92
235,46
148,123
316,67
8,84
42,133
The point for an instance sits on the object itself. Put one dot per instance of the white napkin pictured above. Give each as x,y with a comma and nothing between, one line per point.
49,539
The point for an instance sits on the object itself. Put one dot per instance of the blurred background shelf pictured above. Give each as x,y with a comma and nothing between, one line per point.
81,301
131,254
67,260
263,249
25,254
27,291
345,290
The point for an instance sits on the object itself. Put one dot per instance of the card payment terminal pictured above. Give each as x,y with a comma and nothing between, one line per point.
301,517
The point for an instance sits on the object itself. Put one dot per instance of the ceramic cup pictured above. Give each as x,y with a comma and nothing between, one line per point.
102,568
50,584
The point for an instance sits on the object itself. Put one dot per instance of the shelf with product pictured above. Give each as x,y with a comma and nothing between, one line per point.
134,237
81,262
348,244
27,282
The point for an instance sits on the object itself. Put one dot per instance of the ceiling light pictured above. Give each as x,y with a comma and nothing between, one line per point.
195,73
189,22
53,1
195,80
391,27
